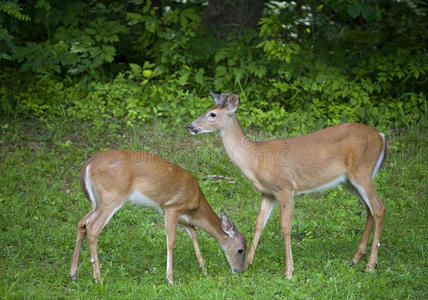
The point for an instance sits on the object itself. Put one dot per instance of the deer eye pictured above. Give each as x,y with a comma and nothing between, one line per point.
240,251
212,115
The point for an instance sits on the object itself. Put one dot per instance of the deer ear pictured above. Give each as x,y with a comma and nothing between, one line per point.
223,99
216,97
232,103
227,224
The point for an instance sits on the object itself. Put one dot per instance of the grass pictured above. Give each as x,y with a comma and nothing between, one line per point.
41,203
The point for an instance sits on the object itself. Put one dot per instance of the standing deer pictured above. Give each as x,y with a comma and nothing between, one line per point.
350,154
111,178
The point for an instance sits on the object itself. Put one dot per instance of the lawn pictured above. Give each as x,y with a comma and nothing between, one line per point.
41,203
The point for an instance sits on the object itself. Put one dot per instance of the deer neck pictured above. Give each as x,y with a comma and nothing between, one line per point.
237,145
206,219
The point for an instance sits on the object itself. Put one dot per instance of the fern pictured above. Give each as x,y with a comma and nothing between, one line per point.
12,8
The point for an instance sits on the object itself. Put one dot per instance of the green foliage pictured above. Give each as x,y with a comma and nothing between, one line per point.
13,9
309,65
165,40
331,88
61,38
275,48
237,64
9,9
71,49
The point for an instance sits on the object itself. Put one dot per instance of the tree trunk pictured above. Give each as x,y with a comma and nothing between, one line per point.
225,16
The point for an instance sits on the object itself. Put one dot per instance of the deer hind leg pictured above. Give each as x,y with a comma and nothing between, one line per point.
192,233
375,214
267,205
361,250
81,233
285,203
94,228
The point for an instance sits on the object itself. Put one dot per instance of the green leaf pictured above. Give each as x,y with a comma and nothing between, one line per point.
368,12
134,18
221,71
222,54
163,106
184,77
199,76
43,4
151,23
354,10
135,69
159,70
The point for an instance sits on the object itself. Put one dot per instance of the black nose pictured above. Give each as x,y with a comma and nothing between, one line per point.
189,128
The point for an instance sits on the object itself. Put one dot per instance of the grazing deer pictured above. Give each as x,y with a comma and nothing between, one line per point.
349,154
111,178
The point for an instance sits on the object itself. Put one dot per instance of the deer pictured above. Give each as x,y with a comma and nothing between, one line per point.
350,154
115,177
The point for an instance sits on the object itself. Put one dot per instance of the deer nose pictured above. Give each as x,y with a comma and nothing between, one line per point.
190,128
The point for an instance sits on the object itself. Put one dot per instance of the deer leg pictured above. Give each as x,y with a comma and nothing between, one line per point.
365,187
81,233
378,215
285,203
361,250
94,228
267,205
171,227
192,233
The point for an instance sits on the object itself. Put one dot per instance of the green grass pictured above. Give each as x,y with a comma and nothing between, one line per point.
41,203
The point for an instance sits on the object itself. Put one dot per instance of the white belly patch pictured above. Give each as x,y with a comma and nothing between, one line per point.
138,198
328,185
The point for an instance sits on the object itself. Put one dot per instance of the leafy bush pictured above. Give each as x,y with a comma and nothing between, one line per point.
165,40
307,67
72,50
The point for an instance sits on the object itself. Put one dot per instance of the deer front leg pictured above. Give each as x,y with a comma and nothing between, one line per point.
267,205
192,233
171,227
285,203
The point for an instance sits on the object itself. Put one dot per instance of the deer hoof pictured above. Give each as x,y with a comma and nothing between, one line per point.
289,274
370,268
